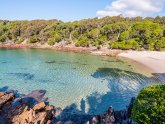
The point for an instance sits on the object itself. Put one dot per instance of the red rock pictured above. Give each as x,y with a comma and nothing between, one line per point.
39,106
2,94
5,98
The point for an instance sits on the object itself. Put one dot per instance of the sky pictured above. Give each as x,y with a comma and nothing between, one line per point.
71,10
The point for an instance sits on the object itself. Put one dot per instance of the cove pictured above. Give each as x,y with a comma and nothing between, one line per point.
80,81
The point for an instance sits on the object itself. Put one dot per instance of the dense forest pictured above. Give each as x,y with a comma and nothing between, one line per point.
112,32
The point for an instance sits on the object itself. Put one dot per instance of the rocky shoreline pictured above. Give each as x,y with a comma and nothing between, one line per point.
34,108
70,48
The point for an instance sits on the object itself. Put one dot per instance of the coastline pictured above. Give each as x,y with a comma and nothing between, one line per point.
35,108
154,60
71,48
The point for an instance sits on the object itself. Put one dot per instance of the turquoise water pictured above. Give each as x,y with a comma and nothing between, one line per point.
90,83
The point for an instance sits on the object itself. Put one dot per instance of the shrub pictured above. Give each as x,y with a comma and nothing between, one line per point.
125,45
149,107
19,41
160,44
55,36
124,35
98,47
2,38
33,39
50,42
82,41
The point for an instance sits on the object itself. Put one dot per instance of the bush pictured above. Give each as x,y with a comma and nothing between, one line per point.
125,45
98,47
55,36
82,41
19,41
33,39
160,44
149,107
50,42
124,35
2,38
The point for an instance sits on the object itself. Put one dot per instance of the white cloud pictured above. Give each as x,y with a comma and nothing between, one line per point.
132,8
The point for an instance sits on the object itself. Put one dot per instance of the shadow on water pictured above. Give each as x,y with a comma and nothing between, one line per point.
122,85
25,76
72,113
4,89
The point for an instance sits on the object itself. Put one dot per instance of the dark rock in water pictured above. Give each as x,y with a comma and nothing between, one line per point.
32,98
120,116
109,116
16,102
11,91
96,119
115,117
130,107
25,76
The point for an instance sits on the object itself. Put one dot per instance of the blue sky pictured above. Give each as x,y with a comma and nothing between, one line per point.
70,10
66,10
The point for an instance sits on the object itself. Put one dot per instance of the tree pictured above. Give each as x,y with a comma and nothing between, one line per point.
33,39
115,29
2,38
149,106
124,35
83,41
94,34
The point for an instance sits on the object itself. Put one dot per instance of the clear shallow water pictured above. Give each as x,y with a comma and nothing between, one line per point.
88,83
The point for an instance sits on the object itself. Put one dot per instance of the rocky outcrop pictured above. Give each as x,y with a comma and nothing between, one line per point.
4,98
34,109
29,109
115,117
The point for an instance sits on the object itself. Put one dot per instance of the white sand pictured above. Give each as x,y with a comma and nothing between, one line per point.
151,59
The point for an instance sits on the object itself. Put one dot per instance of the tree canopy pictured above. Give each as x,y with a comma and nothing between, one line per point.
112,32
149,107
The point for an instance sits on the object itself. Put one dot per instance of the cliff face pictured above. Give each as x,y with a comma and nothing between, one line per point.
33,109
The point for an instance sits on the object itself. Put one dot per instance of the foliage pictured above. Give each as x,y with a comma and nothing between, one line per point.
33,39
19,41
149,107
82,41
125,45
2,38
117,31
124,35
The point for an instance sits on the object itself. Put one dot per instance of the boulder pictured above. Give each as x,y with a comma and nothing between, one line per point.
96,119
2,94
34,97
6,98
39,106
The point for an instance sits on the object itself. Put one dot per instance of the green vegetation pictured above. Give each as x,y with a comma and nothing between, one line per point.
149,107
113,32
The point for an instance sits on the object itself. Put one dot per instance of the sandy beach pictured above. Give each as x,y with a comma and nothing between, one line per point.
152,59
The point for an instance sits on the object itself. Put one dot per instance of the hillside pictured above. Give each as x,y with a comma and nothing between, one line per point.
111,32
